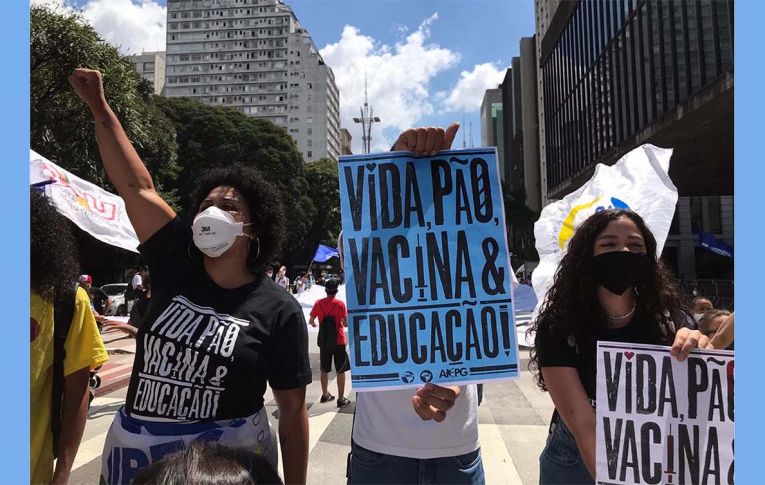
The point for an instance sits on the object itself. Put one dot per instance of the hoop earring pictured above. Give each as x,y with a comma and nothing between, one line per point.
257,253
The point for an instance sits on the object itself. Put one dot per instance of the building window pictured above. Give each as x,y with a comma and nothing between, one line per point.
697,218
310,154
714,218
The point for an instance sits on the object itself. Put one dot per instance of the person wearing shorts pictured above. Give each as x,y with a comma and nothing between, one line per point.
331,306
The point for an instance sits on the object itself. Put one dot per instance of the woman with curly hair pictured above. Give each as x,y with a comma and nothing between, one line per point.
609,286
216,330
58,415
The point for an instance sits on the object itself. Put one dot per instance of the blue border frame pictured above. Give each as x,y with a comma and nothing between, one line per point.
748,176
14,138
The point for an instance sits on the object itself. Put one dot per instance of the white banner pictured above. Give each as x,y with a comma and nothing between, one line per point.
660,420
94,210
638,181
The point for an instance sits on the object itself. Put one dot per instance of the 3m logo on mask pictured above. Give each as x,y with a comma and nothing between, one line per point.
205,228
572,220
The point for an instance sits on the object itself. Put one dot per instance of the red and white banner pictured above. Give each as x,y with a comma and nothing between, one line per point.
94,210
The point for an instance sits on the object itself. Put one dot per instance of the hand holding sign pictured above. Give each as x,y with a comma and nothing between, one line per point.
432,402
687,340
426,141
88,85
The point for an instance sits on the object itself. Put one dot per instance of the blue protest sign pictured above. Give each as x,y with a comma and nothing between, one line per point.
428,278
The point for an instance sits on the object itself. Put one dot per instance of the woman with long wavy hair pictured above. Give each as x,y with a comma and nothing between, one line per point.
611,286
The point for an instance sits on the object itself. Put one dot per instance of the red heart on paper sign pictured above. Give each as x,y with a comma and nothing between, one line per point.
629,355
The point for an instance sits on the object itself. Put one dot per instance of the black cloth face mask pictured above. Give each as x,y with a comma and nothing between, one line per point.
618,271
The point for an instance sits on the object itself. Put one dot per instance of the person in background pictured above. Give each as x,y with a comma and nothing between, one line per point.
137,281
612,266
718,326
336,350
281,278
697,308
53,272
299,285
205,463
270,273
137,313
101,301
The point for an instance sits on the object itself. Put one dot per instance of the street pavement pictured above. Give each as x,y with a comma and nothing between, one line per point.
512,422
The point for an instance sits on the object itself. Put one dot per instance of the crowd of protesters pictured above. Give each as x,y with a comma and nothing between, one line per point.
215,269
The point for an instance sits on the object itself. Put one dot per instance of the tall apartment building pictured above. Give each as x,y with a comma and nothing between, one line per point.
255,57
151,66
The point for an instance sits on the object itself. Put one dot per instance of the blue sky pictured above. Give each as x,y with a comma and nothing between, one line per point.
427,59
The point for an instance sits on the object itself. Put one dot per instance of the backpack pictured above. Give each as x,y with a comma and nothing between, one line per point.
63,313
327,332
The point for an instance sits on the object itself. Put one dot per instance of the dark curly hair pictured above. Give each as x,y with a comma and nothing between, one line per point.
53,263
203,463
572,307
266,211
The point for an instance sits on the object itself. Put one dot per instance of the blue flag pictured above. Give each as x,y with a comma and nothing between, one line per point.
713,244
325,253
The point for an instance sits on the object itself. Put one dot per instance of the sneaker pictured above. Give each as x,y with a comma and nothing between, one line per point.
343,401
328,397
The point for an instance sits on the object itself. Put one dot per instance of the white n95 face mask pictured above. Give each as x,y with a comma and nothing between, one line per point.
215,231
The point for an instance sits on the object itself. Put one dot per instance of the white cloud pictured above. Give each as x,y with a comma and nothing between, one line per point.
132,27
468,93
399,78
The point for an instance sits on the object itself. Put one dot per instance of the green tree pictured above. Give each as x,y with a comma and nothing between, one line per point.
325,193
211,136
61,126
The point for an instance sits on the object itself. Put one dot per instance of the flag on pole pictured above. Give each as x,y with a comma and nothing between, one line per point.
325,253
713,244
94,210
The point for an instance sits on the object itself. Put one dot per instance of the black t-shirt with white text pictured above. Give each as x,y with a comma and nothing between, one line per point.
204,352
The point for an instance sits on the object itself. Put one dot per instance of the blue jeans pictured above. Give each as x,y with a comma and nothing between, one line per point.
370,467
560,462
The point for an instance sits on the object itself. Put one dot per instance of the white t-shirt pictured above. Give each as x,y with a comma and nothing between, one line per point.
386,423
137,280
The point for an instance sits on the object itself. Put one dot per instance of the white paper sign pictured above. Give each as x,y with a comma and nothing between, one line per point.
660,420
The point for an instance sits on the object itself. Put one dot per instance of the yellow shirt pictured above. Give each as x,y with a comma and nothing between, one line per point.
84,348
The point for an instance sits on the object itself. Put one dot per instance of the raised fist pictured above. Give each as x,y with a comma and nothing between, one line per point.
426,141
88,85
